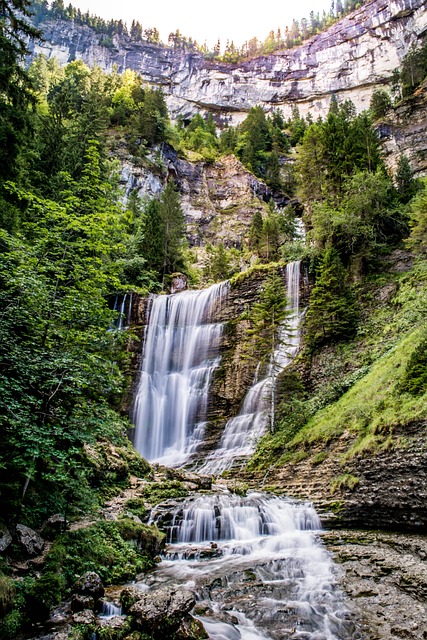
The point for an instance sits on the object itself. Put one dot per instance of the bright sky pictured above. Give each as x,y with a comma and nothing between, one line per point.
237,20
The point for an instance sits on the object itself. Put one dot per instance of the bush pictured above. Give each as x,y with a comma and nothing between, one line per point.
117,551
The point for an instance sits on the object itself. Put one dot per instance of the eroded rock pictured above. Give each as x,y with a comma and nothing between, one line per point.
5,538
161,612
89,584
29,540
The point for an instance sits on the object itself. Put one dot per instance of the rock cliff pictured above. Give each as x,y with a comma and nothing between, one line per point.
350,59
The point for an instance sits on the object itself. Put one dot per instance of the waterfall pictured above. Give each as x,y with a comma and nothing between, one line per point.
257,566
181,347
242,432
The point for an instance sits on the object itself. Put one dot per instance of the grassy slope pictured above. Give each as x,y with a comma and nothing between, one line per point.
371,367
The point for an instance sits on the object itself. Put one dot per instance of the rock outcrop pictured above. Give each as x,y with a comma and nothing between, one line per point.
352,58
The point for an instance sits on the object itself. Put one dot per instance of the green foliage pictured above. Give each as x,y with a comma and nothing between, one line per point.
380,104
414,380
344,481
155,492
333,150
15,86
418,223
60,361
332,314
368,218
117,551
414,68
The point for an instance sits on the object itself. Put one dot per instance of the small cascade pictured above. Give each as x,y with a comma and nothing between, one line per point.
243,431
110,609
257,566
181,347
123,305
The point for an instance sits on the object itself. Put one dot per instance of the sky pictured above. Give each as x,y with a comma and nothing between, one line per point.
237,20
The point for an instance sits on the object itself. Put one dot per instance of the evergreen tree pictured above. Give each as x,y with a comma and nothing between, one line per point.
332,313
150,237
268,320
15,86
173,223
418,223
404,180
255,231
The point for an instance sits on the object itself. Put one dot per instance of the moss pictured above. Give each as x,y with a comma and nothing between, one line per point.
156,492
7,595
117,551
240,277
137,507
44,594
319,457
344,481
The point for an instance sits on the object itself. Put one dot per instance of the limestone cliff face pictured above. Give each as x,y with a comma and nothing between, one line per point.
219,199
351,59
405,132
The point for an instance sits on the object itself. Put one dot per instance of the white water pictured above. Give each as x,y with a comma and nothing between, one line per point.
259,559
243,431
181,346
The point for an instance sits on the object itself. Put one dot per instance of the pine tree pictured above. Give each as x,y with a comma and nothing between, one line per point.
268,319
332,313
173,222
404,179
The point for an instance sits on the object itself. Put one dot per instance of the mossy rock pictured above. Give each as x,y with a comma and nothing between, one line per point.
109,463
117,551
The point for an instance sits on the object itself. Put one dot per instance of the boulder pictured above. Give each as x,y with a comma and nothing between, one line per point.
86,617
80,602
89,584
179,282
5,538
128,597
191,629
161,612
55,525
29,540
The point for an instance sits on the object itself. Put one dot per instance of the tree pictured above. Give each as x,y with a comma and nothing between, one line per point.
405,182
173,222
60,370
15,86
268,320
332,313
418,223
255,231
380,104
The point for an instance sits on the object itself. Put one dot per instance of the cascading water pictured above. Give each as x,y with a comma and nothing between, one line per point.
181,347
242,432
255,563
257,567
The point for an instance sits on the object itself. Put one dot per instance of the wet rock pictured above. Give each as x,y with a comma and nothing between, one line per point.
80,602
178,283
113,627
129,596
85,617
89,584
190,629
29,540
54,526
162,611
5,538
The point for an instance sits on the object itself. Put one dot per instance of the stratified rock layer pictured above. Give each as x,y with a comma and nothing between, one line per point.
350,59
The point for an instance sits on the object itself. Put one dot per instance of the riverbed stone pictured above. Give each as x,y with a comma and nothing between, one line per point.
86,617
89,584
80,602
29,540
161,612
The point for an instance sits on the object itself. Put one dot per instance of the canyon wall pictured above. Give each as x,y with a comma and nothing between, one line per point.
352,58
